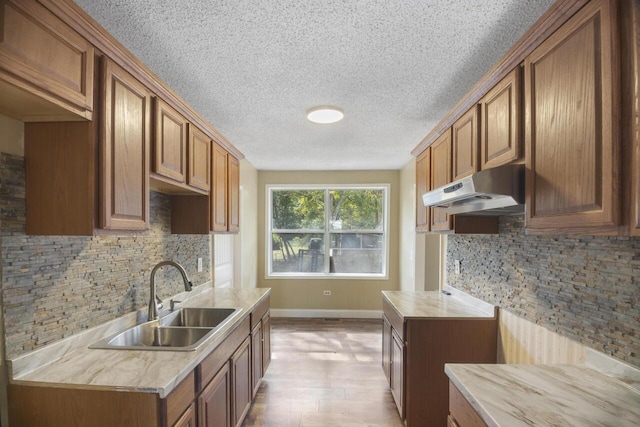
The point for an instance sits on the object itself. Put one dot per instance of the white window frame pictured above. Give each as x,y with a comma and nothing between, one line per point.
269,274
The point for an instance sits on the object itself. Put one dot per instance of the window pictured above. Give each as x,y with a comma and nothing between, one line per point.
327,231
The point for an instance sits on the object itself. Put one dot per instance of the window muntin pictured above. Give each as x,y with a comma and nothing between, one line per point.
327,231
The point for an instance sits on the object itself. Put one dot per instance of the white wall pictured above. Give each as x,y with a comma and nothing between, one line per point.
12,142
408,277
246,241
420,254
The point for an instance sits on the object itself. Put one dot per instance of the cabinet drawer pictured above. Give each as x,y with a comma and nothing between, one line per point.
179,399
393,317
462,411
259,312
221,355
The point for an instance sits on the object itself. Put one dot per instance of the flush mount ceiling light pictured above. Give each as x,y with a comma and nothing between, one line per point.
325,115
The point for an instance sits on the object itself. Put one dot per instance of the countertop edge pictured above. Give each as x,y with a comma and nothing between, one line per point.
164,390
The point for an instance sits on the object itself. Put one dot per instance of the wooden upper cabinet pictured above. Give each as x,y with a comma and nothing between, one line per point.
465,145
441,175
46,68
170,142
225,192
630,45
234,194
219,190
199,171
500,122
124,141
423,184
572,145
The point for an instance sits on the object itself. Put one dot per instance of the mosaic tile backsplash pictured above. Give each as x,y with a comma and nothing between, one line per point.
55,286
586,288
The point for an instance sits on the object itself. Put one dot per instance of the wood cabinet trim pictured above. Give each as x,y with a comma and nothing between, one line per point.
233,203
82,23
546,25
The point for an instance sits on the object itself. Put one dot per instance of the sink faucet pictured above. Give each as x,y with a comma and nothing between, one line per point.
153,307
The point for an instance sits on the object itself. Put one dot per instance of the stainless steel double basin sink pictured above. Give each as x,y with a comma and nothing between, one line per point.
184,329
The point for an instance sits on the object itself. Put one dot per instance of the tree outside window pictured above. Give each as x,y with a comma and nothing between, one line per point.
327,231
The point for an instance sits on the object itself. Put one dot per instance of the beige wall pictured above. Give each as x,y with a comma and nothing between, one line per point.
12,142
346,294
246,247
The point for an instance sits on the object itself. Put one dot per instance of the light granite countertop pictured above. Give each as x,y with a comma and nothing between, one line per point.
546,395
433,304
71,364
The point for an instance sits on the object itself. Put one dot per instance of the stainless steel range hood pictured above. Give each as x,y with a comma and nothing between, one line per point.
495,191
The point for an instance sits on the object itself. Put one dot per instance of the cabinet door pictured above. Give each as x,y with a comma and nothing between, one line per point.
397,371
170,142
386,348
199,159
571,137
241,382
219,190
423,184
188,419
125,137
40,55
465,144
234,194
266,342
500,118
256,358
441,175
214,403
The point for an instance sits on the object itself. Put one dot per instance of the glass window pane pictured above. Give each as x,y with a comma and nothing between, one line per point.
357,253
356,209
297,252
298,209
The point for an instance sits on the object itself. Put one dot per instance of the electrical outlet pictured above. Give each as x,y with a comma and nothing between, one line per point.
456,266
199,265
326,293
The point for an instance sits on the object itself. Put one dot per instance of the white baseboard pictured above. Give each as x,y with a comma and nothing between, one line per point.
328,314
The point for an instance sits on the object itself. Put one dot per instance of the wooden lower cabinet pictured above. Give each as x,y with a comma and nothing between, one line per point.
188,419
396,368
462,413
417,350
241,382
386,348
266,342
214,407
217,393
256,358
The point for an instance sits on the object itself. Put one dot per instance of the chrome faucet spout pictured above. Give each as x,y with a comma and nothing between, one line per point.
153,306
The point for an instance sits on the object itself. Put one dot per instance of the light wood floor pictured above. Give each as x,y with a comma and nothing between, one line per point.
324,373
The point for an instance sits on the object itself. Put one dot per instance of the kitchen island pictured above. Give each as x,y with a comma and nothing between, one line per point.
421,332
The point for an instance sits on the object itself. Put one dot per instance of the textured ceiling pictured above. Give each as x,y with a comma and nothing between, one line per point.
253,68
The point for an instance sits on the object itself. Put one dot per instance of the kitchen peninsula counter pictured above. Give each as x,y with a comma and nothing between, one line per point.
71,364
545,395
435,304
